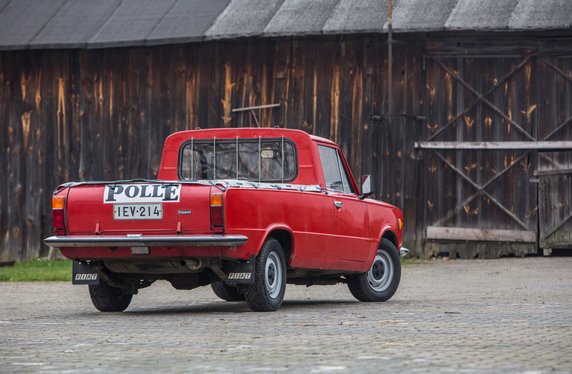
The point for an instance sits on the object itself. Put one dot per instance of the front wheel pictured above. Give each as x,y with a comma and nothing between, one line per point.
109,299
267,292
382,279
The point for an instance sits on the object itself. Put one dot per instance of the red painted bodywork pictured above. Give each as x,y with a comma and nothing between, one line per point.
323,236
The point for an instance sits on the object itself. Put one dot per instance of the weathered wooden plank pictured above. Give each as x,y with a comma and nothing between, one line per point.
296,95
552,172
494,145
280,80
327,52
347,62
356,145
483,235
5,143
13,239
256,107
368,103
478,250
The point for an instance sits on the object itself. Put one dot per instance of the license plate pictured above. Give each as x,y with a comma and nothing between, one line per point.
137,211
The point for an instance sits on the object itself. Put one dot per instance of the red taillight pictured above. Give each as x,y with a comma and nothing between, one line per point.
58,215
216,210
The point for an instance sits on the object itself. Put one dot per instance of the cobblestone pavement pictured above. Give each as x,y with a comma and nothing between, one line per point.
507,315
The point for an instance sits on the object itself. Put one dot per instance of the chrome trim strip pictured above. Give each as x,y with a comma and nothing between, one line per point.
145,241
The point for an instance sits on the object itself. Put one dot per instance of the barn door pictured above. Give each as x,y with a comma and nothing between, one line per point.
555,168
478,187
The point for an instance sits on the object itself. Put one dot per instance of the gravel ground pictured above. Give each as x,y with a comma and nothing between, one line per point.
506,315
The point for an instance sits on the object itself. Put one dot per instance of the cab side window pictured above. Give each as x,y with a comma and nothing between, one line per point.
334,172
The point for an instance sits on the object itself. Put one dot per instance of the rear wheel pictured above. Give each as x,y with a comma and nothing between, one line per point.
267,292
227,292
109,299
382,279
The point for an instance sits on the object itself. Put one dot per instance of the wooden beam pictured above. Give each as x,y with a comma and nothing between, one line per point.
473,196
544,146
480,235
478,99
276,105
485,100
538,173
484,192
557,226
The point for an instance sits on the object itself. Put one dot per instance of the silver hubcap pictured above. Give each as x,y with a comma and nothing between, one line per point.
381,273
273,275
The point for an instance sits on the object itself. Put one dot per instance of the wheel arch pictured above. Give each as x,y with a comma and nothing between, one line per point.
285,237
391,236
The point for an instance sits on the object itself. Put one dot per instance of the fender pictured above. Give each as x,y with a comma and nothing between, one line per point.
384,230
267,233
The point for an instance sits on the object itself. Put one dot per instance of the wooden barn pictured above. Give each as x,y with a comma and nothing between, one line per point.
460,109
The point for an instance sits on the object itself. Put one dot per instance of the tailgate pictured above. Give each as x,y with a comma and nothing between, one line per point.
140,208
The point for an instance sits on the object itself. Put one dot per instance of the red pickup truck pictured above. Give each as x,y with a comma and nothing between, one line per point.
244,210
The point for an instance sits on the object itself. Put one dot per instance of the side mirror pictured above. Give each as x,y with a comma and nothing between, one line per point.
365,186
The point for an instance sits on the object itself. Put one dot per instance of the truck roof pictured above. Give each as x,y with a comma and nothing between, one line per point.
246,132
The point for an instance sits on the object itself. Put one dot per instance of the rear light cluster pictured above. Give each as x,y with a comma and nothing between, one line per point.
216,210
58,215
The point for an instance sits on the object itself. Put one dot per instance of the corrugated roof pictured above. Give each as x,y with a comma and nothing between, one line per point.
110,23
484,14
73,24
354,16
243,18
21,21
131,22
187,20
545,14
300,17
422,15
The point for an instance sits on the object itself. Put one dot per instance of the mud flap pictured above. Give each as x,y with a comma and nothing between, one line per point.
82,273
240,272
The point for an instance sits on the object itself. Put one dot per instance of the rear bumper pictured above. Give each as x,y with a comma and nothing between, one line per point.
145,241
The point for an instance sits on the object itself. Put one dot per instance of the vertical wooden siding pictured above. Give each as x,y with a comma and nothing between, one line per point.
103,114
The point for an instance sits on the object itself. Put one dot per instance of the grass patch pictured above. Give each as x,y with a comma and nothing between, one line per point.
37,270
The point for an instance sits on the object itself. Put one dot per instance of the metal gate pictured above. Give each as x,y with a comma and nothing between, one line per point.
485,137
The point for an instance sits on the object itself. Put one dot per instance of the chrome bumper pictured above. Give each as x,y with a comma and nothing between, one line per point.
146,241
403,251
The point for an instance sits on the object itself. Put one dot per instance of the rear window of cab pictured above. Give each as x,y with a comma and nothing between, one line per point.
255,160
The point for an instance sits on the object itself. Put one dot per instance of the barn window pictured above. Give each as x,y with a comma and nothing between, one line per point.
256,160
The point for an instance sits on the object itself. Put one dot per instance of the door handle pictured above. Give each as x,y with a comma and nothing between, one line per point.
338,204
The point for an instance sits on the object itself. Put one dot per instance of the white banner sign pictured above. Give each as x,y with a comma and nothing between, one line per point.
141,193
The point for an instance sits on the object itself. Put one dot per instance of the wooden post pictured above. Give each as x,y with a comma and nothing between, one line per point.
389,60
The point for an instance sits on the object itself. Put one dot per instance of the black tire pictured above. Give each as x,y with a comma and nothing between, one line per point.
382,280
267,292
109,299
226,292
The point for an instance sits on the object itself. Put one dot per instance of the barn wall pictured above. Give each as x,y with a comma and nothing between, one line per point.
103,114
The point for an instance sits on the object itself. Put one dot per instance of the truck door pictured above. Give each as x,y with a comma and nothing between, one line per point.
351,226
